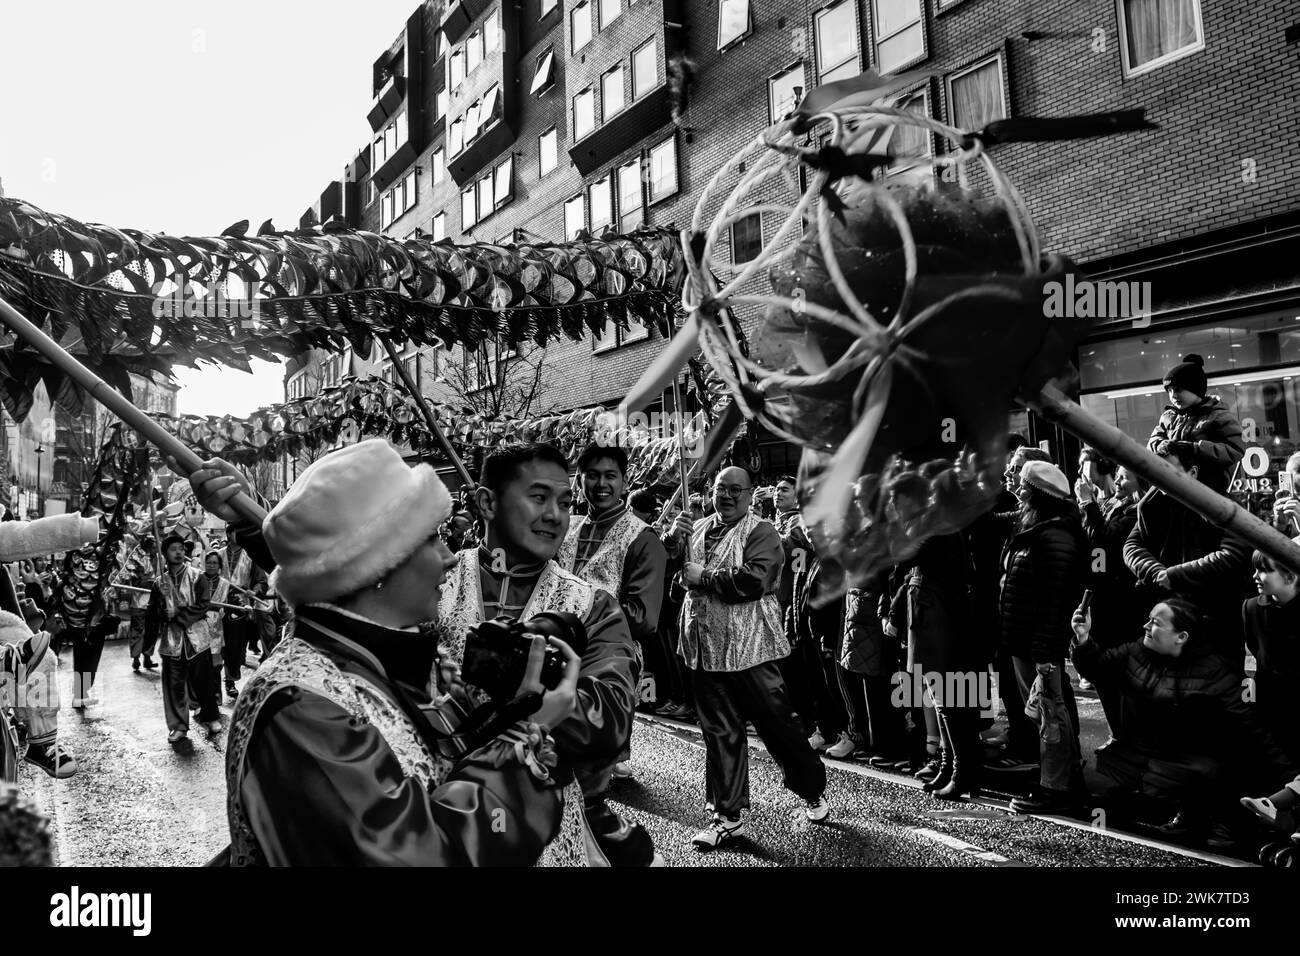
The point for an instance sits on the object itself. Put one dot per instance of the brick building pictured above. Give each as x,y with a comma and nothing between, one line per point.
497,120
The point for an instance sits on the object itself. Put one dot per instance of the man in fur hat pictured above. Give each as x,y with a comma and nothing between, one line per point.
28,682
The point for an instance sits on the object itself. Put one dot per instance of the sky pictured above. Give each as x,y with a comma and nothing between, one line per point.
184,116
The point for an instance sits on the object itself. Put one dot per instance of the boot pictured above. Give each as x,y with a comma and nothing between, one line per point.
968,755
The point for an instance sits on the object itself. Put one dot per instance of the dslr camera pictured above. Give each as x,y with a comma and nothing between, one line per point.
496,652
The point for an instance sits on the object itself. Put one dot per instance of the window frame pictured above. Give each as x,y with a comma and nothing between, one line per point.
594,227
457,57
876,38
731,239
653,45
1166,59
456,137
548,6
502,198
590,92
601,22
494,14
438,165
899,101
818,17
771,80
547,77
579,198
998,56
554,133
639,174
474,43
439,219
653,198
472,191
487,182
605,112
749,24
591,25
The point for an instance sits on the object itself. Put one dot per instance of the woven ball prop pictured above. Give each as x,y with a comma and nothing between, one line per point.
905,316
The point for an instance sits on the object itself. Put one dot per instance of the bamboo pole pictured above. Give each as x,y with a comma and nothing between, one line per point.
228,607
1218,509
427,412
118,404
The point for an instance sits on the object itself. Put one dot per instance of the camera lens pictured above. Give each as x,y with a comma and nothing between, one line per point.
567,627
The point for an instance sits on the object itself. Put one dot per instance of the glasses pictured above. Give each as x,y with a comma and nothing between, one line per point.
731,491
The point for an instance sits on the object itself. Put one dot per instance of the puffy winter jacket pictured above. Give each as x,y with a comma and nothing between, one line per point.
1189,704
1212,429
1042,583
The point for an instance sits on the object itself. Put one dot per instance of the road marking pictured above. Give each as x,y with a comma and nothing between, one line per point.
961,846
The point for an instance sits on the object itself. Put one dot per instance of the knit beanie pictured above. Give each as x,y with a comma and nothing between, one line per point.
1190,374
1046,477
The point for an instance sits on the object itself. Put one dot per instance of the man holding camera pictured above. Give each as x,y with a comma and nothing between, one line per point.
524,499
731,639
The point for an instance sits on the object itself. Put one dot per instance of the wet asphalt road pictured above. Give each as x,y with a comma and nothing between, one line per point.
137,801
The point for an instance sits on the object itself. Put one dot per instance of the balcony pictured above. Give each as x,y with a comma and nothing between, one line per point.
466,165
460,14
387,100
634,123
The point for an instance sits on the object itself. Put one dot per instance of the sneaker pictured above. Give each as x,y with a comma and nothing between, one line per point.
213,727
817,741
622,771
885,762
719,831
1009,764
135,664
842,748
672,710
232,691
149,663
817,810
53,759
176,736
1085,684
1183,824
1043,801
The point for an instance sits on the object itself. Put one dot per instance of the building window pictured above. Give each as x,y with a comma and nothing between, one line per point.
733,21
492,32
468,209
486,198
490,110
976,95
504,181
1157,32
838,48
439,165
910,144
473,52
630,211
609,11
455,69
746,239
547,151
602,205
456,137
544,75
584,114
645,69
370,191
439,227
663,170
900,33
580,25
611,93
784,92
440,104
575,217
547,7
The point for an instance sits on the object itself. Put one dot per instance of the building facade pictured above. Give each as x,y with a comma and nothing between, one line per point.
510,120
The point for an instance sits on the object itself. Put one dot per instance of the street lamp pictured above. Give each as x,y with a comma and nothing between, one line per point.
40,450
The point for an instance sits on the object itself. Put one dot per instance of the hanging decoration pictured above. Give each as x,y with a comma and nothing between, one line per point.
130,301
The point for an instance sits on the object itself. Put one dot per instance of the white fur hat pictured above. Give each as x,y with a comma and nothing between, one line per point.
349,519
13,629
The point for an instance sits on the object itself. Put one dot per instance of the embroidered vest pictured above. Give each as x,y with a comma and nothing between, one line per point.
461,604
295,663
716,636
181,594
605,569
459,609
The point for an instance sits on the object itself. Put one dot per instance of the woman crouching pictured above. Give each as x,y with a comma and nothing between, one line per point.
333,757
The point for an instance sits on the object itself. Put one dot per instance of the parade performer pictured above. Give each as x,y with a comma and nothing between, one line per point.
333,756
732,639
524,499
29,683
214,621
616,551
185,645
240,628
140,571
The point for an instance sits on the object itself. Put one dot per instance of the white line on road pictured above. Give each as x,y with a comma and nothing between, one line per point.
961,846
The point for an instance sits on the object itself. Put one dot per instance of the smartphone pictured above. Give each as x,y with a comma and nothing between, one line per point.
1087,600
1285,482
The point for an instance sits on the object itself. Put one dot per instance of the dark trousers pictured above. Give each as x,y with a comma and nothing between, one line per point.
1022,736
1163,776
725,701
872,717
234,648
177,675
268,631
1060,762
143,638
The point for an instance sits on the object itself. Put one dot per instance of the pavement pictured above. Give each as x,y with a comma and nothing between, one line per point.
137,801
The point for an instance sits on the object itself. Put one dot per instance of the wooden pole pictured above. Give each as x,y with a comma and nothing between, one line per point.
1218,509
118,404
228,607
427,412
